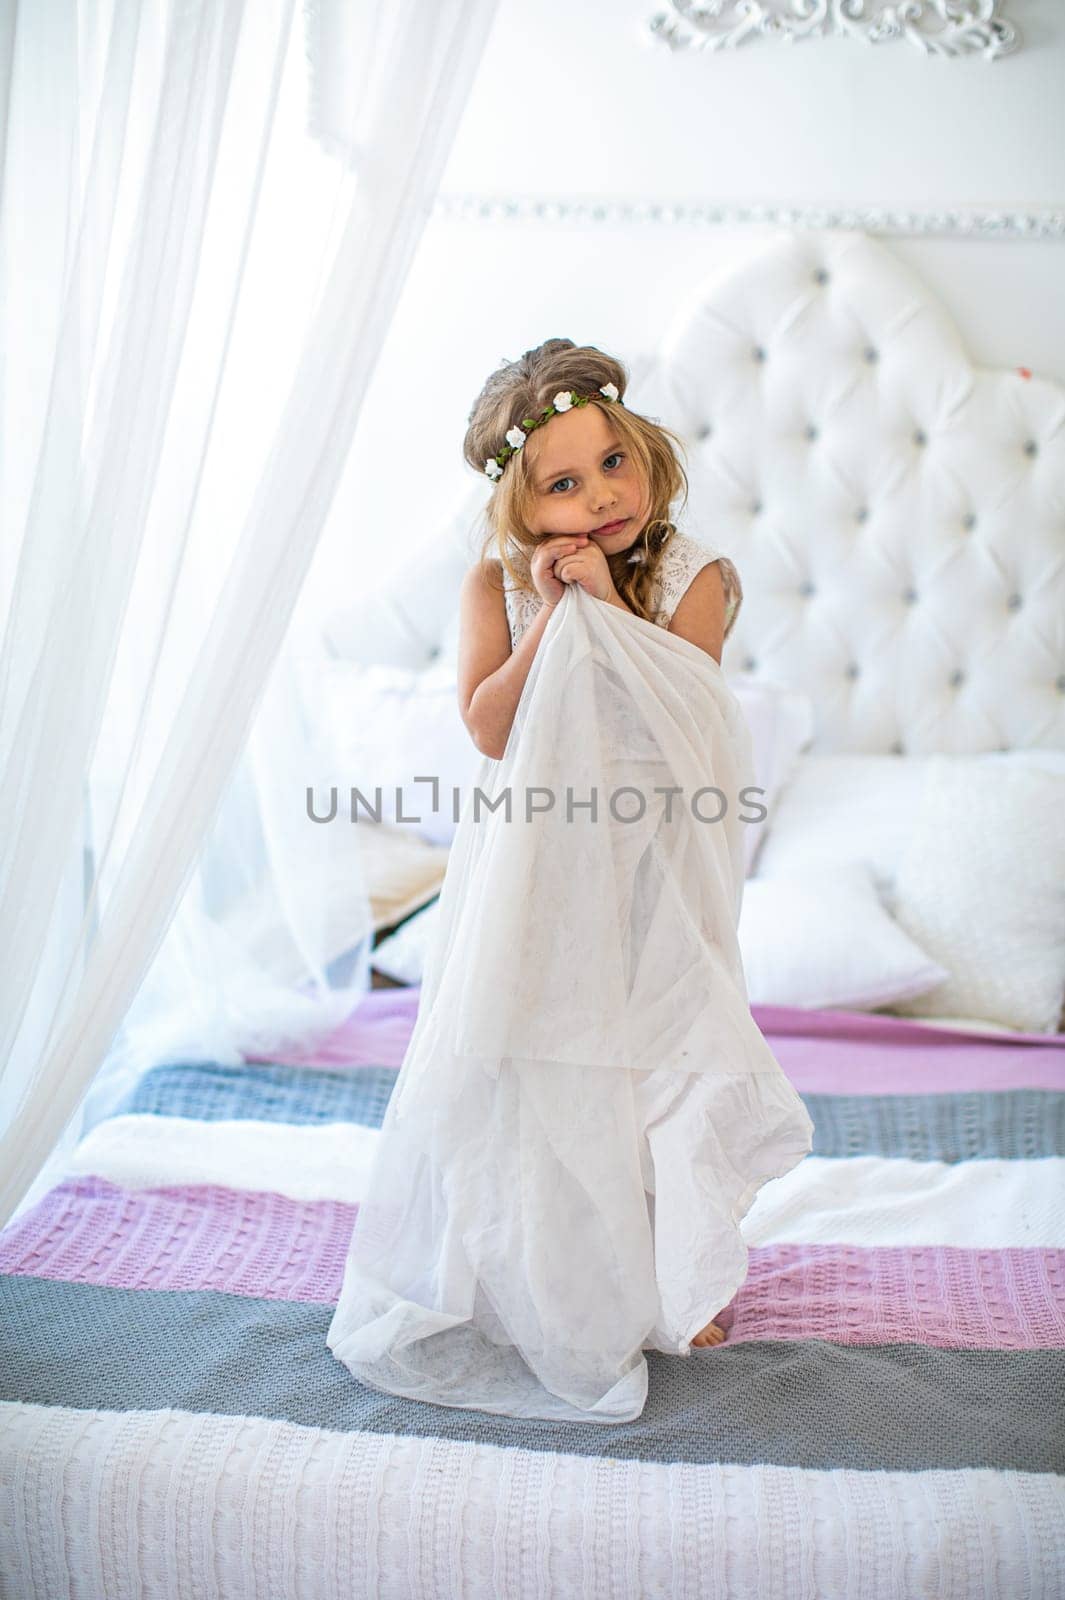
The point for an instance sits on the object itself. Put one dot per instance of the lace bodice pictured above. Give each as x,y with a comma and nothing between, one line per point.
684,557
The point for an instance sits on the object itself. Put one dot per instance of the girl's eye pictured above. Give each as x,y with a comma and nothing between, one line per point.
615,455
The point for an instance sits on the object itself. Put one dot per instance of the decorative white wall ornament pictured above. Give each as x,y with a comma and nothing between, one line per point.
937,27
884,220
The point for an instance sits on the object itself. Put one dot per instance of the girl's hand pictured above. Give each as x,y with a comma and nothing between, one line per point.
543,559
587,567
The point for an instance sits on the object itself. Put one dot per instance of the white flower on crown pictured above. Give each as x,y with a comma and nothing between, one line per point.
563,400
492,467
515,438
609,389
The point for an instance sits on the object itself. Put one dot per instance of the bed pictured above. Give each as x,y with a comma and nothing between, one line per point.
887,1416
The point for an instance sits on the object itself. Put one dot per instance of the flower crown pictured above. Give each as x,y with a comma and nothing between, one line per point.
563,401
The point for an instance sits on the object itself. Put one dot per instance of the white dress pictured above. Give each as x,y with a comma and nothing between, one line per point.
587,1108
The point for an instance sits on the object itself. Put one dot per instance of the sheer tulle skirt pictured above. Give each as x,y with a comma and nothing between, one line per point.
587,1108
520,1249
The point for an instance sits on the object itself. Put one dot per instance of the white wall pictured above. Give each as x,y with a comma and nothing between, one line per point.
579,102
578,98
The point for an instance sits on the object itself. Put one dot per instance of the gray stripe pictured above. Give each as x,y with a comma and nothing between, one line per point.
1008,1125
212,1091
804,1404
1005,1125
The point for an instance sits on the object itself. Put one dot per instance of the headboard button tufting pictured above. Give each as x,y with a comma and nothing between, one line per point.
914,493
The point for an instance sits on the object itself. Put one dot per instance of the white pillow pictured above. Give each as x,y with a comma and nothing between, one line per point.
807,939
861,808
397,615
821,938
982,886
387,726
401,956
781,724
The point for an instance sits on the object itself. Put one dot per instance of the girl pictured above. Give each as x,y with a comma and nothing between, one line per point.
586,1109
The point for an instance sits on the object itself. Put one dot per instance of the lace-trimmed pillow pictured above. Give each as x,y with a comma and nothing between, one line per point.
981,887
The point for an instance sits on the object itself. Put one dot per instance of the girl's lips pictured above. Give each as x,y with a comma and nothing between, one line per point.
612,527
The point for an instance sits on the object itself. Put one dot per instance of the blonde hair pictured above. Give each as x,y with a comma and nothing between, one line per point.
522,388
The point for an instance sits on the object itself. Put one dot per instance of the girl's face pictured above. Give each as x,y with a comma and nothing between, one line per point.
583,477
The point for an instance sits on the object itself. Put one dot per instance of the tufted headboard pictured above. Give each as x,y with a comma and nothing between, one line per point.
897,514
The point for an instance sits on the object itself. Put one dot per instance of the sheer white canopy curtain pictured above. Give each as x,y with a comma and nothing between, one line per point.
201,251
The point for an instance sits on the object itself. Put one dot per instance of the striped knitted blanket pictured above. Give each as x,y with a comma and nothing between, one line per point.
885,1418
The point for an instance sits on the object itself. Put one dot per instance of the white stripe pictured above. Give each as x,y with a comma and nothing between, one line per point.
880,1201
329,1161
863,1200
156,1502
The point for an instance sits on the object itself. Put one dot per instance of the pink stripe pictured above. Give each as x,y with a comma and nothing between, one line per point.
375,1035
851,1052
822,1052
89,1231
881,1025
1010,1299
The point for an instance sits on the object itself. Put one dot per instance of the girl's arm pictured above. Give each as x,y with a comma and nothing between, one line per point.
491,676
700,613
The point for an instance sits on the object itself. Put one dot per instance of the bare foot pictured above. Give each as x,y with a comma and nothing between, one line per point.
713,1333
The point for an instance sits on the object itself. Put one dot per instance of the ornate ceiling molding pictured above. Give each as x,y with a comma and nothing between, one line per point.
937,27
890,221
